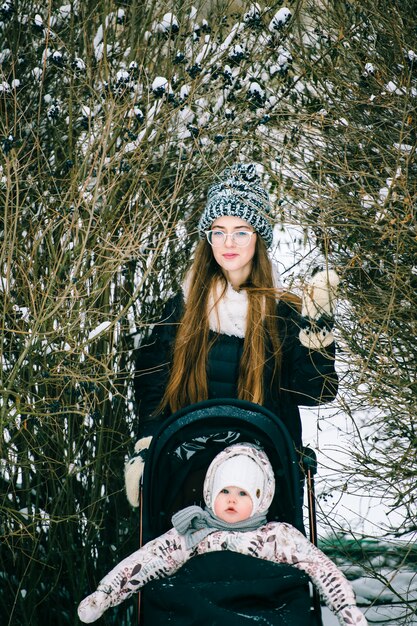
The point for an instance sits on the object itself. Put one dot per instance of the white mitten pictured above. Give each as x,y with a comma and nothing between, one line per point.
134,470
318,301
319,296
94,605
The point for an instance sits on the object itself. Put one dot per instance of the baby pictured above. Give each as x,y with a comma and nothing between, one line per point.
238,489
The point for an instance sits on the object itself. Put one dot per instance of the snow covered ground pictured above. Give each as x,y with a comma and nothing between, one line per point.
378,616
384,607
380,596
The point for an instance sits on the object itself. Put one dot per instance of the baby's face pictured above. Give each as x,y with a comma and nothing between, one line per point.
233,504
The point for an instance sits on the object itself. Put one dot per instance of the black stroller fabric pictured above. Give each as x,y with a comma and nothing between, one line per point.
222,588
229,589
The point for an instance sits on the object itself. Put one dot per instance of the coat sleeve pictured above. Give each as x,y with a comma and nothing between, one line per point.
292,547
159,558
308,375
152,366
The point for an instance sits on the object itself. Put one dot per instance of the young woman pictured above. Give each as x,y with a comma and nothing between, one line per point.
232,332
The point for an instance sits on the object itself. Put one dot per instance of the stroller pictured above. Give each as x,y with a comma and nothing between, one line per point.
224,588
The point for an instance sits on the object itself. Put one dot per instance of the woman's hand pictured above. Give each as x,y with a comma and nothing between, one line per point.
318,303
134,470
319,297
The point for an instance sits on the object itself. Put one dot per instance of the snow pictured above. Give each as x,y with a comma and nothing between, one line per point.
393,88
65,10
254,12
404,147
37,72
135,112
98,38
280,18
4,283
284,57
57,56
402,583
4,55
160,83
185,92
256,88
168,22
98,330
193,13
390,609
369,69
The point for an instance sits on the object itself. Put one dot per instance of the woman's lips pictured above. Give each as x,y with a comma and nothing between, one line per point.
229,256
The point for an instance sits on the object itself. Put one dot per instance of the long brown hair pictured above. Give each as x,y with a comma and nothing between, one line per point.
188,379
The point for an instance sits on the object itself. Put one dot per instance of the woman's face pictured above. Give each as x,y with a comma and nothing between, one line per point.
236,261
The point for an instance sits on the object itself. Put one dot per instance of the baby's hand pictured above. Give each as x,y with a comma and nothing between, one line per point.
93,606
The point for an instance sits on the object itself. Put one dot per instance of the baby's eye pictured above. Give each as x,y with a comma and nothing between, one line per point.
224,491
243,493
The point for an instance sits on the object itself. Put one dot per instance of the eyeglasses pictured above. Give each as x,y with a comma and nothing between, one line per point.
241,238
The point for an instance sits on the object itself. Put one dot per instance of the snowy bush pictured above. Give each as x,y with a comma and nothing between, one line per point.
114,117
357,194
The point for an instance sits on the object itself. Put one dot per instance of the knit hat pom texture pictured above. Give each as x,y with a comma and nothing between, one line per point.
239,193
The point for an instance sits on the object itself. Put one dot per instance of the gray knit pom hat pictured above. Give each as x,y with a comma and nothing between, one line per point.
239,193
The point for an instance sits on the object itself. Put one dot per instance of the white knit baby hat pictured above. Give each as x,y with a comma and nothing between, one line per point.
241,465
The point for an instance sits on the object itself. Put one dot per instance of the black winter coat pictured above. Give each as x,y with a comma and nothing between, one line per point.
307,378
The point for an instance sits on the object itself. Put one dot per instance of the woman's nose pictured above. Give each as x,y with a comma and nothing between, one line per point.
229,243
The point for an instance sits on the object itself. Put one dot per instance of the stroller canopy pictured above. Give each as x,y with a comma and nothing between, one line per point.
183,449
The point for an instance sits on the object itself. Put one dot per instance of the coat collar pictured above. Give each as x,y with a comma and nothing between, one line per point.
227,315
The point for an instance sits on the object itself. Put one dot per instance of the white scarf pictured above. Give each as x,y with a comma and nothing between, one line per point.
228,315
